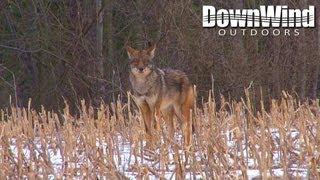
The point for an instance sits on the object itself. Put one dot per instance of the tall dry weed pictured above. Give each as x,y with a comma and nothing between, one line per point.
234,141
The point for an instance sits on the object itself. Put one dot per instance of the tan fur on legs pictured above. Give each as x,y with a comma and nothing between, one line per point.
187,121
157,89
158,119
168,117
146,115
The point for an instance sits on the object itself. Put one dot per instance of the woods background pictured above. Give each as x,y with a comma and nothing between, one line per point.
66,50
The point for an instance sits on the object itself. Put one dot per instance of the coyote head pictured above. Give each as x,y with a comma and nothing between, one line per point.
141,60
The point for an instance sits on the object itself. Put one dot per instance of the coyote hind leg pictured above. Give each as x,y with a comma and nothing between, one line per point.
187,126
182,113
186,108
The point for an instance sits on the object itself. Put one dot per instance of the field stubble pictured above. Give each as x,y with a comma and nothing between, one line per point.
230,142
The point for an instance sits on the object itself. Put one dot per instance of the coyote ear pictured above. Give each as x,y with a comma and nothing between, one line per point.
151,49
130,51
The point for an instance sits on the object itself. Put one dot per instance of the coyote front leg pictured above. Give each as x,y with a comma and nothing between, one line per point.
147,118
168,117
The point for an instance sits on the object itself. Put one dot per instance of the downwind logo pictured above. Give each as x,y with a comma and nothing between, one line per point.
260,21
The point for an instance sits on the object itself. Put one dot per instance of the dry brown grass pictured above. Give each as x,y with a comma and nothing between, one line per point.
230,142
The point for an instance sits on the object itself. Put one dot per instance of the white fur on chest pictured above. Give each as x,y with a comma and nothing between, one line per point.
139,85
150,100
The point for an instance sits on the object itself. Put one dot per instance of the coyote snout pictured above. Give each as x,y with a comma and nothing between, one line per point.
160,92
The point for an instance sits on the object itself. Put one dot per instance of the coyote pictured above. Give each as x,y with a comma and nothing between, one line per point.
160,93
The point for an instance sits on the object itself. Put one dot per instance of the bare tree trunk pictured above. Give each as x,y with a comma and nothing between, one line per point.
276,69
276,80
315,79
109,30
99,35
302,78
100,88
239,50
315,73
109,41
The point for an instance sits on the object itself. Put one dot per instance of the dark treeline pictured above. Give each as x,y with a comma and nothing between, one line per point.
53,51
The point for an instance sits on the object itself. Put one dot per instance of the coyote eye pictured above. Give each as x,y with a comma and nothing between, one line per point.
134,62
